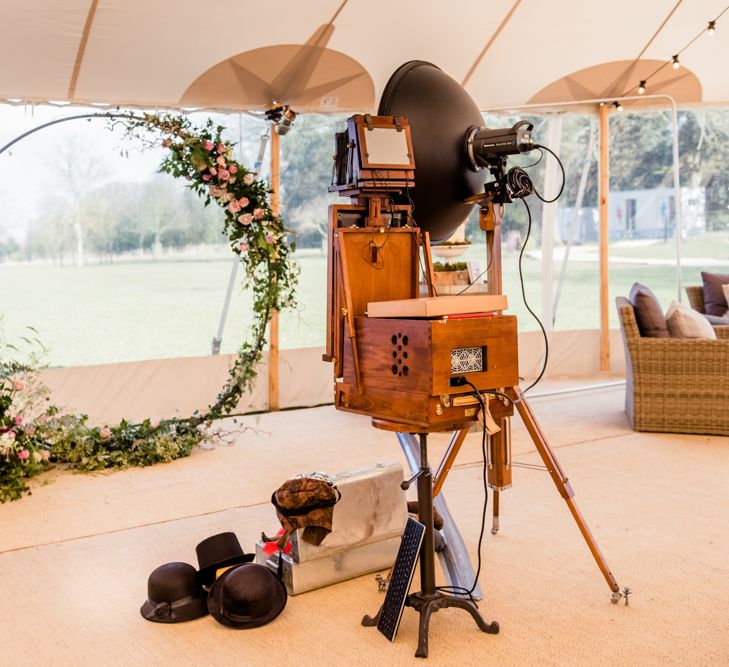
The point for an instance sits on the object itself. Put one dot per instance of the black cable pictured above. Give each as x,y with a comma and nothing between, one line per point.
526,303
534,164
478,277
460,590
564,178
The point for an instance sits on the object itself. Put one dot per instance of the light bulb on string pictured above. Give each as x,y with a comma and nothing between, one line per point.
641,88
712,28
617,105
676,64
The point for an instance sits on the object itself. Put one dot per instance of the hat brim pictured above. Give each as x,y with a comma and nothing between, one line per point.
207,574
232,620
196,608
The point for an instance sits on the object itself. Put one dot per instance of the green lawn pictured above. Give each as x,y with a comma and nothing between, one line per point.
131,310
713,244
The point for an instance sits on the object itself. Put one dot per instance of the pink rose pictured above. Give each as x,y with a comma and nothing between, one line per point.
30,430
206,177
270,238
221,148
245,219
234,206
243,247
45,454
258,213
208,145
221,161
223,174
18,385
231,180
105,433
243,201
248,179
233,169
10,435
17,420
154,423
213,171
23,454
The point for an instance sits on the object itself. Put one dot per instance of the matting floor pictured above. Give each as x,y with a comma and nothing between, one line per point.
75,556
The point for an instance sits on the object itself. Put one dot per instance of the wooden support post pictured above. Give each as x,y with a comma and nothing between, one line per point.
604,236
273,384
490,222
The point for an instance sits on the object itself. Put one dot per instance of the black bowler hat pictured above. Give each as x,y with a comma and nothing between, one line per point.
247,596
221,550
174,594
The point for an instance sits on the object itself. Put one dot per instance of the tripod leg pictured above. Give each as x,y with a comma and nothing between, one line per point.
425,612
561,482
495,525
370,621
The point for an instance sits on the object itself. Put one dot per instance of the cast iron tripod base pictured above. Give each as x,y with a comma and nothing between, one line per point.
426,605
429,599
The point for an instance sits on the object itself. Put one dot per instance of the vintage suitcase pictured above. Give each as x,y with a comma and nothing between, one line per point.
366,529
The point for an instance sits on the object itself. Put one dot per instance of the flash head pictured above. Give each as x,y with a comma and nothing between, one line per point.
484,145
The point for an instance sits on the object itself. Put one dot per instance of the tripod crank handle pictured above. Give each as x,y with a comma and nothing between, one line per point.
407,483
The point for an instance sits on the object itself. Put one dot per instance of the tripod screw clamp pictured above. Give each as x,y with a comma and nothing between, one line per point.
618,595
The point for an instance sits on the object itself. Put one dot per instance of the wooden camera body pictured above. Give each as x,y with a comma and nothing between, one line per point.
410,365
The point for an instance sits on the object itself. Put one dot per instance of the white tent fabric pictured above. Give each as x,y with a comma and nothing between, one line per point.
330,55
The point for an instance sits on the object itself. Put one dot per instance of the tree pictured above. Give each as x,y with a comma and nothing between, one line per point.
77,169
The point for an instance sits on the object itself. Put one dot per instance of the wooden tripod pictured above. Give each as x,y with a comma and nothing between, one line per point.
490,222
500,471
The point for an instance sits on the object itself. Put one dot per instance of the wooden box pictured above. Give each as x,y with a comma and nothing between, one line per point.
408,373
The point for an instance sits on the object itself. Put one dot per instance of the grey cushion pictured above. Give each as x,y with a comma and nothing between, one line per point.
648,312
721,321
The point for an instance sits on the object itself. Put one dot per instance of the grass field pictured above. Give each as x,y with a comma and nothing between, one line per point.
131,310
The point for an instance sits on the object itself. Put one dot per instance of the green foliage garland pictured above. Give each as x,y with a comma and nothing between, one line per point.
34,434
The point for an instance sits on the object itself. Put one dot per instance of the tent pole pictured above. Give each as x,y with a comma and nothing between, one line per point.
604,185
273,385
549,213
677,198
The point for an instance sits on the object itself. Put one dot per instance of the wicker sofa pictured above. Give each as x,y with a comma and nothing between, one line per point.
675,385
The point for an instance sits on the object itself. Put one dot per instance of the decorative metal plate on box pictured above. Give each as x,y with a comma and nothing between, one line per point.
467,360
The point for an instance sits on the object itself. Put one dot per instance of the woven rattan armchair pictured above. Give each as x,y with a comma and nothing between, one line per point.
675,385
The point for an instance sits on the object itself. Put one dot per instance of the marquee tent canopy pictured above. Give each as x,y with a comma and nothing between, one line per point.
336,55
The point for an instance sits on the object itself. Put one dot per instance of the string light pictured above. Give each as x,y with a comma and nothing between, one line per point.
710,29
617,105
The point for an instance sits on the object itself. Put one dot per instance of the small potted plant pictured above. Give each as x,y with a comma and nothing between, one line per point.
450,273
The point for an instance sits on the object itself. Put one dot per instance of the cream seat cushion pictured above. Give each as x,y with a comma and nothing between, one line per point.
685,322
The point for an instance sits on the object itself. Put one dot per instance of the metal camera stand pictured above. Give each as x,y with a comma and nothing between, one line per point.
429,599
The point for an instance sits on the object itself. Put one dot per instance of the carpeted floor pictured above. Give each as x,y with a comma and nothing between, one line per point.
75,556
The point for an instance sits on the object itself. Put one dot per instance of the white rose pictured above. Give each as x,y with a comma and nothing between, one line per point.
248,179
